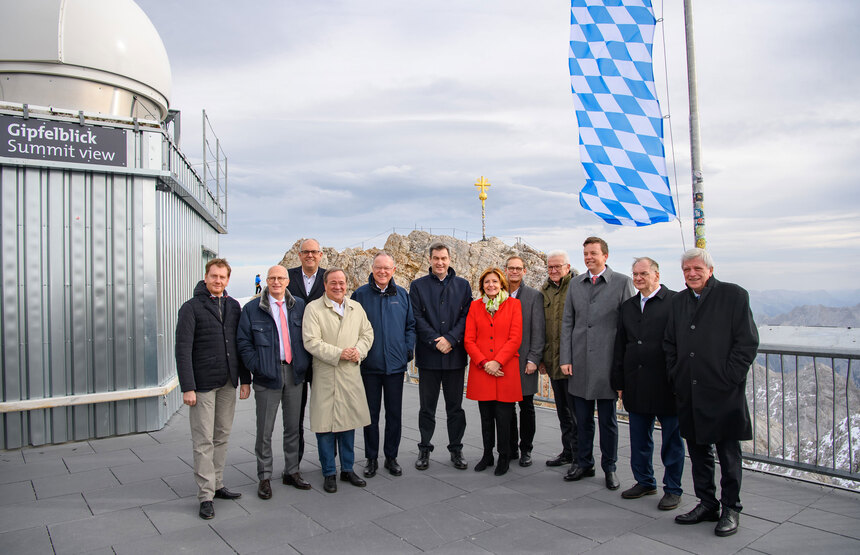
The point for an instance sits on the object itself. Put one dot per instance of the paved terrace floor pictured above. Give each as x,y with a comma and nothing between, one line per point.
136,494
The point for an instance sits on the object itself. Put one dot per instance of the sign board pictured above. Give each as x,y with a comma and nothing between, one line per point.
37,139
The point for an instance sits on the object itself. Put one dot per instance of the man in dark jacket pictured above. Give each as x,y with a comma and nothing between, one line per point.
531,353
306,283
639,376
440,302
389,310
711,341
270,343
209,369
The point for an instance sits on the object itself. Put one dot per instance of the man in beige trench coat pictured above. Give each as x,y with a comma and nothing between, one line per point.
338,335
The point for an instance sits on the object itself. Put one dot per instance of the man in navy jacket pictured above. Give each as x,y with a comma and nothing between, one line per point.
270,343
389,310
209,370
440,301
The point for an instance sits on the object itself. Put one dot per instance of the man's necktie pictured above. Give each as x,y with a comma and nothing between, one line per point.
285,333
594,280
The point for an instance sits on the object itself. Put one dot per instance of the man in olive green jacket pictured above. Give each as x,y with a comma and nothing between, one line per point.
554,292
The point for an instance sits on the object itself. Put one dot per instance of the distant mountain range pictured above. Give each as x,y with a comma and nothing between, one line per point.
806,308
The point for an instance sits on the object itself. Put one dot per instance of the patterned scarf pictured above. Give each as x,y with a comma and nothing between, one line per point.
492,305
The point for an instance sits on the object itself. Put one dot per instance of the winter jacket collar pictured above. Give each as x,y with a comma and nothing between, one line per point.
449,277
264,300
390,291
561,283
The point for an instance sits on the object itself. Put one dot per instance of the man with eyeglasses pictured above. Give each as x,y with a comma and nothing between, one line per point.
531,353
270,343
554,292
306,283
389,310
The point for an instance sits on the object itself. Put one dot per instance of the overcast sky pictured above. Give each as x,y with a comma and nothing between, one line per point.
345,119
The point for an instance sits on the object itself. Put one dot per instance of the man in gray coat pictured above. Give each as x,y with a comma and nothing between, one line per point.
531,351
588,330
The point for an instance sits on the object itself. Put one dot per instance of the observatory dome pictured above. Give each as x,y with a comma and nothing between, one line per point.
102,56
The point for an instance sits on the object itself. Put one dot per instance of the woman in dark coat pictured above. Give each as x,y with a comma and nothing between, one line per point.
494,330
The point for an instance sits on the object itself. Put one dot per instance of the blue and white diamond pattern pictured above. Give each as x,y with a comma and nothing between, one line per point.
620,124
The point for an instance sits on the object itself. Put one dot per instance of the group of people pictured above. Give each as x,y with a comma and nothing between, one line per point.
677,358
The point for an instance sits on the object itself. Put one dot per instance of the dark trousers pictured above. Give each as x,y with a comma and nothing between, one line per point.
496,418
390,388
566,418
702,461
526,432
642,451
606,421
451,382
302,421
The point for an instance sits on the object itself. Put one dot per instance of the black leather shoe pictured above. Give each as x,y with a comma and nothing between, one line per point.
526,458
225,493
295,480
392,467
502,466
577,473
330,484
370,468
560,460
486,461
207,510
728,524
698,514
612,481
458,460
264,490
637,491
352,478
423,459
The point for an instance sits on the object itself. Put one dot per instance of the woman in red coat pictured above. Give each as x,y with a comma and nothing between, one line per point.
494,330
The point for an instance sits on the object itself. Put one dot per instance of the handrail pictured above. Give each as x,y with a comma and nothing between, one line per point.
89,398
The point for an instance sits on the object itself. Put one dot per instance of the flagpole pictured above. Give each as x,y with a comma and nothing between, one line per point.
695,152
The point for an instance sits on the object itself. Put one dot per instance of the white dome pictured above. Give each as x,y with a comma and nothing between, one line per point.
94,55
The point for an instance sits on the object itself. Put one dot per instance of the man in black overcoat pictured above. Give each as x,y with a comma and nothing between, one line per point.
639,376
710,343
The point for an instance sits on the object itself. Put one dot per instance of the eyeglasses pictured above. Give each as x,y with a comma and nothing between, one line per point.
555,267
279,279
310,252
386,268
514,268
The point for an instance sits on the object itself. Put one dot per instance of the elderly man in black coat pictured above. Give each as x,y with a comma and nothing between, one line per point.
710,343
639,376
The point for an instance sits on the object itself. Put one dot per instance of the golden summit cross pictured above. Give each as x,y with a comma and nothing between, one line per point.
482,185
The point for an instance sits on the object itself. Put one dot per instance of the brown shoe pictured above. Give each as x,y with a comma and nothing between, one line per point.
295,479
264,490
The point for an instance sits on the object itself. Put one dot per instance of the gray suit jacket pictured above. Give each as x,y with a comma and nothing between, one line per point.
534,327
588,330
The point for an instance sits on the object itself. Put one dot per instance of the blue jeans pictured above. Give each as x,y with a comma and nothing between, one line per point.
642,450
345,449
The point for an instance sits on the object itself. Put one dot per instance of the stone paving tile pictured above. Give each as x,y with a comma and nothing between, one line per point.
528,534
101,531
794,538
634,544
119,443
644,505
700,538
43,511
13,457
79,482
467,480
265,531
780,488
412,491
179,514
593,519
184,485
829,522
430,526
17,492
549,486
157,468
360,538
498,505
123,497
80,463
282,496
162,450
200,540
26,541
45,452
841,502
349,506
768,508
19,471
